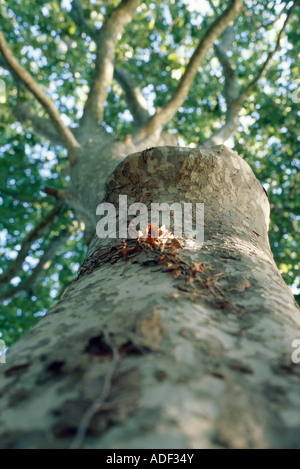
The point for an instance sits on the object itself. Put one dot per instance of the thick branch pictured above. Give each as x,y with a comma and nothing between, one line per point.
227,130
44,263
230,91
41,125
266,64
34,234
65,133
108,36
44,127
164,115
230,95
135,100
234,100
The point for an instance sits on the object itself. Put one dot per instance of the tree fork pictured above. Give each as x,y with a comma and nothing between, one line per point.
135,355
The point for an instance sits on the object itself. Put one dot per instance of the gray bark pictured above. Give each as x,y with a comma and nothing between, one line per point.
190,350
101,155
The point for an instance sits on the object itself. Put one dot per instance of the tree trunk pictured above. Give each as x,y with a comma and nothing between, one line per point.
185,348
101,155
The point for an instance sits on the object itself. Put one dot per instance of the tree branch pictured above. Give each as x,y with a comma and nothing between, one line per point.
212,6
41,125
136,102
165,114
34,234
20,197
77,15
46,259
265,65
230,95
22,113
107,39
234,100
261,24
65,133
230,91
44,263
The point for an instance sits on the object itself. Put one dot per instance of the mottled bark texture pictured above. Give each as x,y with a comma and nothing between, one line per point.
186,348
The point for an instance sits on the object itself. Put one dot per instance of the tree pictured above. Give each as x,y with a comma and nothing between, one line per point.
93,151
160,343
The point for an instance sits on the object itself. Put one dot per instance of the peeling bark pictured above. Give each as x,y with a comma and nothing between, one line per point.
136,356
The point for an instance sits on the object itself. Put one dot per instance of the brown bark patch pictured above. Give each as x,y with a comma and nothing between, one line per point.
150,331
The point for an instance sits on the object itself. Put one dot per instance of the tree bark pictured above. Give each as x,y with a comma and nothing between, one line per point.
185,348
102,153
